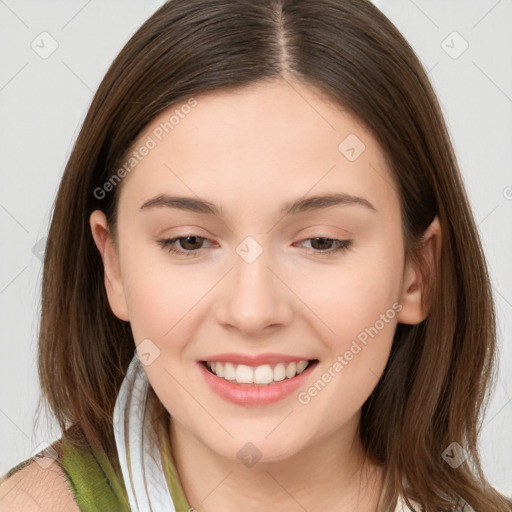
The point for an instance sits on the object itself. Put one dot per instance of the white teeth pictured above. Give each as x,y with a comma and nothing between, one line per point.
291,370
229,371
243,375
262,375
279,372
301,366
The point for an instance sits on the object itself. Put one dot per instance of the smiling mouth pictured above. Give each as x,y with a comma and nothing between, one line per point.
262,375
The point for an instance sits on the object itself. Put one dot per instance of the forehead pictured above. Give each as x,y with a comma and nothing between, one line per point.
267,143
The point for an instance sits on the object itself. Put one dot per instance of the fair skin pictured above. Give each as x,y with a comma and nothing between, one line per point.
250,152
41,486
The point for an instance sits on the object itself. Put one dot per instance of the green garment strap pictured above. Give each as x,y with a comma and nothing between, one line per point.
171,476
93,481
98,488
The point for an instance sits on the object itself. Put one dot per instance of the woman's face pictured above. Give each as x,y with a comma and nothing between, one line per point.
259,277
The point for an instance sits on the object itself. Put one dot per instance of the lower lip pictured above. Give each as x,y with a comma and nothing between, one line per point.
247,394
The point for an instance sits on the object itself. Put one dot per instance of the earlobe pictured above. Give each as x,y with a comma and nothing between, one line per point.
419,273
112,274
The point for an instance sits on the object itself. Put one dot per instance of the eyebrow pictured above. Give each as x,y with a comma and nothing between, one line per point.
317,202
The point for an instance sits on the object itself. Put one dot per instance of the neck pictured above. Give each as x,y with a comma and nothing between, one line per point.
331,474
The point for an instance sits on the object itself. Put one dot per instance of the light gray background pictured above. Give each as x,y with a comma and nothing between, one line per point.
43,102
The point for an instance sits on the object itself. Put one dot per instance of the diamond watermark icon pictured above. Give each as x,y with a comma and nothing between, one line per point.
44,45
44,454
454,45
454,455
249,455
249,249
351,147
147,352
39,248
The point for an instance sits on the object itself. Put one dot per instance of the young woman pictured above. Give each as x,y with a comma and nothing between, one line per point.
263,285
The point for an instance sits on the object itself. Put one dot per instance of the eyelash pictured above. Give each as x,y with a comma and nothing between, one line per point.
169,244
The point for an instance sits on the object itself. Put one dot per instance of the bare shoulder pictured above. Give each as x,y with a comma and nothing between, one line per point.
38,487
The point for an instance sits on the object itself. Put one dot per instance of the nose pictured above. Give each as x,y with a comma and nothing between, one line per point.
255,297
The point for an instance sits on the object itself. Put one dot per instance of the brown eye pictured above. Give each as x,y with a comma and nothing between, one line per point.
190,242
188,245
322,244
325,245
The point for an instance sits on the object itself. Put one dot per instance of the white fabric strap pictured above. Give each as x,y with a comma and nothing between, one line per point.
137,449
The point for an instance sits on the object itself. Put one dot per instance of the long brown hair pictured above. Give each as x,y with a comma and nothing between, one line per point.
437,381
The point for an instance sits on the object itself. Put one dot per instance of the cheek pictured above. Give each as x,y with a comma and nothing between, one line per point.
363,321
357,304
351,295
160,296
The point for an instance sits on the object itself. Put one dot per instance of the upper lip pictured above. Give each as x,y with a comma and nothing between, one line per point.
255,360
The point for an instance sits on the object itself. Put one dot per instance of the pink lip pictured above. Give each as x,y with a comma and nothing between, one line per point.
267,358
249,394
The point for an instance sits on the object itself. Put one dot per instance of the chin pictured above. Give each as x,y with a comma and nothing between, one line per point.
250,449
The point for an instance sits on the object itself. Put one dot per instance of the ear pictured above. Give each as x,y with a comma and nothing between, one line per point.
112,274
417,274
